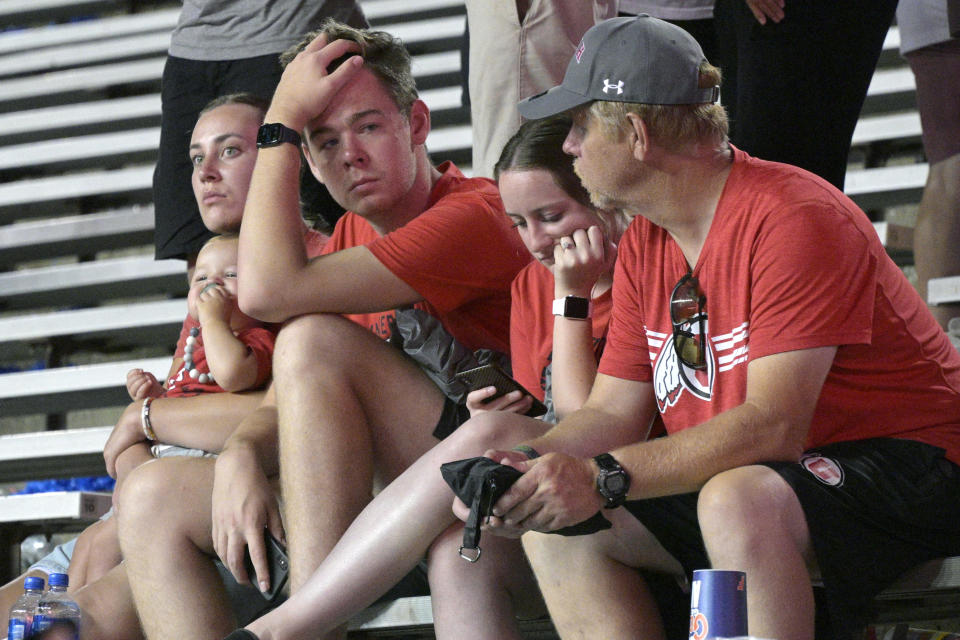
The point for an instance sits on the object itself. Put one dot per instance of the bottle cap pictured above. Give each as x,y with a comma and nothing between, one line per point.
59,580
33,582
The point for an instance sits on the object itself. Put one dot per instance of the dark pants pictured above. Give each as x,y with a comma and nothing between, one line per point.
794,90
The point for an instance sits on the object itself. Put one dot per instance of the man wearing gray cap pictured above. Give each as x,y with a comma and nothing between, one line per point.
809,397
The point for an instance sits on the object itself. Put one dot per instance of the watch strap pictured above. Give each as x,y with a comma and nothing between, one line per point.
573,307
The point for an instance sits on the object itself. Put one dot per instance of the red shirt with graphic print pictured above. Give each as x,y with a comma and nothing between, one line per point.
789,263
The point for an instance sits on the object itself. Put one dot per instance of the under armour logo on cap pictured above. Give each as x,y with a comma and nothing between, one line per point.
655,62
607,86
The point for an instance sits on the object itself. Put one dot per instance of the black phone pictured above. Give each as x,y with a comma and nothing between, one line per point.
492,375
277,562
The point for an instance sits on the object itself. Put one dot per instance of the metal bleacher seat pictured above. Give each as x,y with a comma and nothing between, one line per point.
77,387
79,235
91,282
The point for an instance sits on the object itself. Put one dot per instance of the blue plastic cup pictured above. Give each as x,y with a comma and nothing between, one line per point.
718,604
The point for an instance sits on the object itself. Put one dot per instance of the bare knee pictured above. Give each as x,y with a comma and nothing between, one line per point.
741,508
300,340
155,494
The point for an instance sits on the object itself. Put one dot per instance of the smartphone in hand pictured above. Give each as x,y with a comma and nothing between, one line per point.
277,562
492,375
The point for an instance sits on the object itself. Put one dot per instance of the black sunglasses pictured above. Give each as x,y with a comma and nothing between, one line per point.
687,303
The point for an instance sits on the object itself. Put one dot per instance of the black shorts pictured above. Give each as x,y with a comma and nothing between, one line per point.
875,508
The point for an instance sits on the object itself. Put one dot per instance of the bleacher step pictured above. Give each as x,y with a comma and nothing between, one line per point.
943,290
53,454
57,505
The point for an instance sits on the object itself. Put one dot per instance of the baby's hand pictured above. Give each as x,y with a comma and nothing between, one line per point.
215,302
142,384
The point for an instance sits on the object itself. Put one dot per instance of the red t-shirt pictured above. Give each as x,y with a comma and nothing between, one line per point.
259,340
789,263
460,254
314,241
531,326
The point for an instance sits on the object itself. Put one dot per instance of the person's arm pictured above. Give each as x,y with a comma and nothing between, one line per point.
771,424
276,279
243,500
198,422
234,366
576,271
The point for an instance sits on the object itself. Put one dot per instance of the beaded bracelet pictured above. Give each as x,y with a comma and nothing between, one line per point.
527,450
148,431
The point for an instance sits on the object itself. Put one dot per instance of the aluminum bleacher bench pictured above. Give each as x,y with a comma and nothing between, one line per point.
80,235
92,282
889,89
886,127
46,196
381,11
886,186
51,391
86,151
67,56
161,20
22,12
943,290
64,453
97,116
56,86
135,323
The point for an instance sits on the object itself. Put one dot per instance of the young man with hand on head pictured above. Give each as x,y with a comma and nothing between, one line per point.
812,403
353,411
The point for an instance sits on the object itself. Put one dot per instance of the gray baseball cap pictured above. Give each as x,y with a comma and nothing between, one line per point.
635,59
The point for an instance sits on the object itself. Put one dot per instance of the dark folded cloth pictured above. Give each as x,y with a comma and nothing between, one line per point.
242,634
479,482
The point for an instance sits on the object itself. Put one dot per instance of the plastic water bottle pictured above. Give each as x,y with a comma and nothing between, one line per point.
57,610
22,611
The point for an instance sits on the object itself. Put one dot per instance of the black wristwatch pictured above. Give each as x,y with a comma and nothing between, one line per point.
271,135
573,307
612,481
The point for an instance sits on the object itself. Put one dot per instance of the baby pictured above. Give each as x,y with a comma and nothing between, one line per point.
228,351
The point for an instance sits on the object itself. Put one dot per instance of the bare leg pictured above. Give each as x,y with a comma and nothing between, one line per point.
478,600
391,534
591,583
351,409
108,609
752,521
937,235
165,533
97,551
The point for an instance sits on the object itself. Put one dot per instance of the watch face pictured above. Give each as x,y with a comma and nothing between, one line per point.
577,307
269,134
615,483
